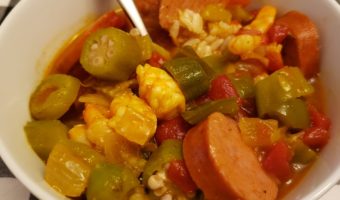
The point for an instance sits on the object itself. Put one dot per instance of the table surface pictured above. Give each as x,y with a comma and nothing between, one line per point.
12,189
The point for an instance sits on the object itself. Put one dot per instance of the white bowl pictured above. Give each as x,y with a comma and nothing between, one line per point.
35,30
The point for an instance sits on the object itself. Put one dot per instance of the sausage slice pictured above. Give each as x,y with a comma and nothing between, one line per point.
222,165
302,48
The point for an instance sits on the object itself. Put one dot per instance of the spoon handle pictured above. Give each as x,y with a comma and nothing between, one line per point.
131,9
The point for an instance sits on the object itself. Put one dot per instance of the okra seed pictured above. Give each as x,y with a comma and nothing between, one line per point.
155,182
166,197
97,61
111,43
94,46
160,192
104,38
110,53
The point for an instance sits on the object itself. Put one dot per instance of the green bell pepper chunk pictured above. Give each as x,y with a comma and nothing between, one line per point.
168,151
108,181
302,153
190,76
244,84
291,83
218,63
283,85
199,113
292,113
188,51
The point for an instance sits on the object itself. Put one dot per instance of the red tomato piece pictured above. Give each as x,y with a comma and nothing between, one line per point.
221,87
277,161
178,173
201,100
248,107
318,119
316,137
277,33
156,60
172,129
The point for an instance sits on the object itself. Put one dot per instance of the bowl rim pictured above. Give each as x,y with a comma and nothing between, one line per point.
42,194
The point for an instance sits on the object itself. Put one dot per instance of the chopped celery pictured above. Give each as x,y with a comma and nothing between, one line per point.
161,50
302,153
168,151
257,132
108,181
145,44
216,13
189,75
119,150
86,153
68,167
225,106
44,135
188,51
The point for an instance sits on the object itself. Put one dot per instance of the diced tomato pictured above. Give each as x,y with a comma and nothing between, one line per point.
156,60
171,129
318,119
248,107
277,161
315,137
221,87
277,33
202,99
179,175
275,61
71,54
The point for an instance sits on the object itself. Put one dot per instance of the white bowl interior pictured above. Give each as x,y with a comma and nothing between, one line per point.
35,30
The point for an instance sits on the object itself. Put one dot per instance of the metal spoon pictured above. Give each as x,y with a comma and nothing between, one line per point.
131,10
